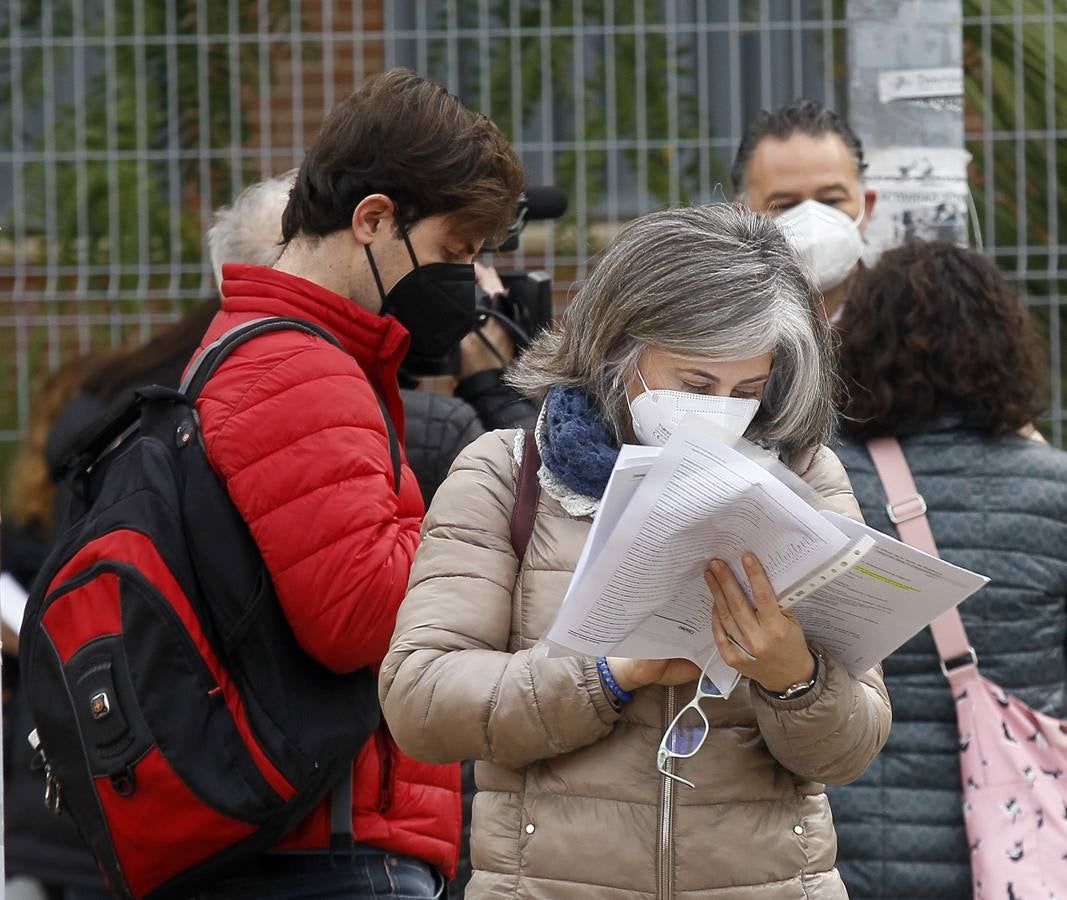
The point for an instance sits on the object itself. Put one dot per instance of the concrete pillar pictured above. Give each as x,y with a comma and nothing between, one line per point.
905,64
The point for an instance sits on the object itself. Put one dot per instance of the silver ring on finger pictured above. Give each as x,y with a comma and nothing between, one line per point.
740,648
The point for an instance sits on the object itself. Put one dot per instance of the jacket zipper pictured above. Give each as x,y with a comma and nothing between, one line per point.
665,889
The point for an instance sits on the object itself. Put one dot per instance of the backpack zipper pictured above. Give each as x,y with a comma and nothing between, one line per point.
113,860
53,790
665,887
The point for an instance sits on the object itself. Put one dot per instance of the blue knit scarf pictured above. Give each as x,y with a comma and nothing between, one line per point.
577,444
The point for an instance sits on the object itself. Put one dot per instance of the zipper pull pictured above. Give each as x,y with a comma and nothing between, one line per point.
53,790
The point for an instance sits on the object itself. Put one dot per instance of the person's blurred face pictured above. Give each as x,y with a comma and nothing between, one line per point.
782,174
659,370
434,239
744,379
785,173
439,239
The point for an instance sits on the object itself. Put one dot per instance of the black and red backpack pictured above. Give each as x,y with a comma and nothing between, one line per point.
177,719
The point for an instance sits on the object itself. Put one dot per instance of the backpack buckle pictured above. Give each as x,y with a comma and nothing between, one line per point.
124,782
342,850
967,658
342,845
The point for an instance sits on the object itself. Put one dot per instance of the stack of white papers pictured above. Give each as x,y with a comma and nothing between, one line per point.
639,591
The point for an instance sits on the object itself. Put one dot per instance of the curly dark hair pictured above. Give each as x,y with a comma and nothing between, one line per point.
935,330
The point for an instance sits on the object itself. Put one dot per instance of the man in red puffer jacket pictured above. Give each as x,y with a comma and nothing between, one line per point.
392,202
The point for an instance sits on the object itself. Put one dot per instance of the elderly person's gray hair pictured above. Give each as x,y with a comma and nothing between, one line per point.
715,281
249,230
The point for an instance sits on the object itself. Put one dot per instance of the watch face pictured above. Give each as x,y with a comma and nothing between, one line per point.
802,686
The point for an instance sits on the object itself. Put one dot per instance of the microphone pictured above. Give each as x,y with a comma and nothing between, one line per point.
545,201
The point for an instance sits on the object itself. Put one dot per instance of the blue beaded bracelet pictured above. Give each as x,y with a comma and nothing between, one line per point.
609,679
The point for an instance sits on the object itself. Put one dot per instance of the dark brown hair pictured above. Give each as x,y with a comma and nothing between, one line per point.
123,367
31,493
406,137
934,330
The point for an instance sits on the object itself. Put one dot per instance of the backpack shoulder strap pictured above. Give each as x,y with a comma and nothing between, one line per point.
214,354
527,495
907,511
209,360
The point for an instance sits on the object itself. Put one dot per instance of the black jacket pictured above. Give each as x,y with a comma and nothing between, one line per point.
438,427
497,404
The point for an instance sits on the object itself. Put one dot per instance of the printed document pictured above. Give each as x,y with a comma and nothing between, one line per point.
638,590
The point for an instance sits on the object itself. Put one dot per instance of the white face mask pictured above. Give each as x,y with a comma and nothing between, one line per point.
825,238
657,413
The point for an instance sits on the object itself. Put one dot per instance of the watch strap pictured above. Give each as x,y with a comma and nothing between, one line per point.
798,688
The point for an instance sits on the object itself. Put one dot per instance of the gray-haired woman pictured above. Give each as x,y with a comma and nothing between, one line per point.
702,302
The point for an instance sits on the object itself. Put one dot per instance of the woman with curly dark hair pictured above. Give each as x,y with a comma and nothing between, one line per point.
937,351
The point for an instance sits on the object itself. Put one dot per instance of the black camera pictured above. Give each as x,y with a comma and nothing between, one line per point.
523,310
526,306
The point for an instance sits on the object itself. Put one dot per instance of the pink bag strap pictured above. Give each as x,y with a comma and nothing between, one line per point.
907,511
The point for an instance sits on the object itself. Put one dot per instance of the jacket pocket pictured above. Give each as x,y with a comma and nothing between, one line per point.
142,676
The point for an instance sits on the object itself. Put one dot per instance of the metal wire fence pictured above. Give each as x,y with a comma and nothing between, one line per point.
124,123
1015,66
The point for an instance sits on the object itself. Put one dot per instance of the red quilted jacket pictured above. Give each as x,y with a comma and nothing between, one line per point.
293,427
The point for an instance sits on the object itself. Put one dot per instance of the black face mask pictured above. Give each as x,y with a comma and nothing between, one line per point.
435,303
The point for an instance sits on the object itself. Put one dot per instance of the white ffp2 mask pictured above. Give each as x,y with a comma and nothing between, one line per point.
828,240
657,413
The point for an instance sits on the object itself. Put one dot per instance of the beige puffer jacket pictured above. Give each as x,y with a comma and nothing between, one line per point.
570,804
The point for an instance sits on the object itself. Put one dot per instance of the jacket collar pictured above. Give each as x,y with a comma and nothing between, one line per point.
378,343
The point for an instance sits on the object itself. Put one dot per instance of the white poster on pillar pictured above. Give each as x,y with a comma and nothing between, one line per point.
922,194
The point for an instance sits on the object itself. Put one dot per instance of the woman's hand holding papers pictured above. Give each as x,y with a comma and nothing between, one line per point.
777,653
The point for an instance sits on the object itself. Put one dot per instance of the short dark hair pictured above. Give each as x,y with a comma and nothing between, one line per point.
407,137
804,116
934,330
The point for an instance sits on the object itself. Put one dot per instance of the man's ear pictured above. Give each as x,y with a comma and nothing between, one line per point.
373,215
870,199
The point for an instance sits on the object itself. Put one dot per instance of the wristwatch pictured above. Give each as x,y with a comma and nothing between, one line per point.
798,688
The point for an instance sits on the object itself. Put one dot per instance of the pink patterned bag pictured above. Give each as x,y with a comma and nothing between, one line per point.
1013,760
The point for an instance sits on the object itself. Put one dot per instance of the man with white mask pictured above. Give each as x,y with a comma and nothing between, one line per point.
803,165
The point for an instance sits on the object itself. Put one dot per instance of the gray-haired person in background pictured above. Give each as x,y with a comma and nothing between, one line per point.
707,301
249,230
